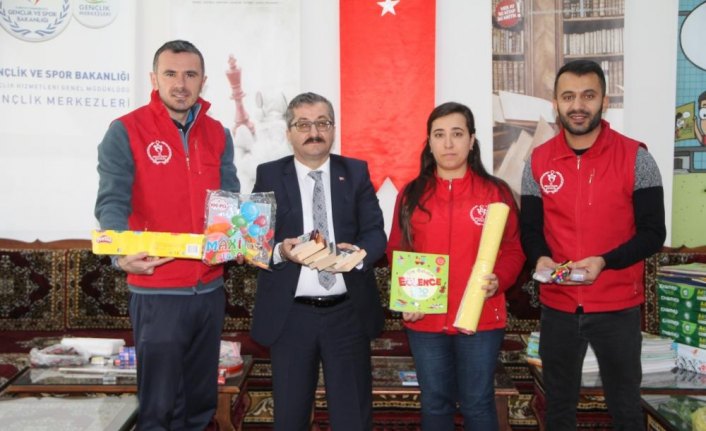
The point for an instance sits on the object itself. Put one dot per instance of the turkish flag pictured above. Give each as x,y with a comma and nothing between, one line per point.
387,84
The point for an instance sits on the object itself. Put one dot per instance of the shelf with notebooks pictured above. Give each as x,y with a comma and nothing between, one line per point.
593,29
543,35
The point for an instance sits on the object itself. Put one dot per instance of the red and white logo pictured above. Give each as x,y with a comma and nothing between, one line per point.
551,181
159,152
218,204
478,213
104,239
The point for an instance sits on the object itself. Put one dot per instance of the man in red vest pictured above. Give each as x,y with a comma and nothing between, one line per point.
155,165
593,197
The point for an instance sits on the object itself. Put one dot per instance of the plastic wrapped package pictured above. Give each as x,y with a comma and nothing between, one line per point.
239,224
58,355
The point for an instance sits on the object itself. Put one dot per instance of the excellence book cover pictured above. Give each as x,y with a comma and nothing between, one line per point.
419,282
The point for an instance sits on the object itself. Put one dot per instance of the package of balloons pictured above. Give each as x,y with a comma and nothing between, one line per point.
239,224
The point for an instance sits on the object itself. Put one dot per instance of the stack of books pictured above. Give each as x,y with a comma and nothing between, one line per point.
658,354
319,254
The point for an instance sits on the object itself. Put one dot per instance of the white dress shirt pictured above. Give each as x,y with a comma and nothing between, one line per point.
309,278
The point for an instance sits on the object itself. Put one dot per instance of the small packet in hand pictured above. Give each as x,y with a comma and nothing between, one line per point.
560,274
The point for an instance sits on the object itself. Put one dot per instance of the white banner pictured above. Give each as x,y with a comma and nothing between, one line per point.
69,67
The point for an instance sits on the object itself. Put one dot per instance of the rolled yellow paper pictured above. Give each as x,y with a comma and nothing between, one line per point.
474,296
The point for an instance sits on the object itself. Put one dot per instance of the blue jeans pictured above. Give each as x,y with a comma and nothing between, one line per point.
616,339
457,372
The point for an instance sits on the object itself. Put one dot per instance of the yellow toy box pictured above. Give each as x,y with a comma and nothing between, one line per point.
161,244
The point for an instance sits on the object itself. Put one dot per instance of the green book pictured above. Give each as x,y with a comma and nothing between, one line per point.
419,282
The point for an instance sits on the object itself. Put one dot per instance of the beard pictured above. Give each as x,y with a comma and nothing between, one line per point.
593,122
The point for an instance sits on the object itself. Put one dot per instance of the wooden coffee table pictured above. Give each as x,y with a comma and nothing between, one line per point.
232,395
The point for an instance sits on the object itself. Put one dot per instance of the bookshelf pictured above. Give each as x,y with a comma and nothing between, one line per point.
510,48
527,52
593,29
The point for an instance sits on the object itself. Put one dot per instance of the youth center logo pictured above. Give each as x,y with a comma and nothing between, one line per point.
551,181
478,213
35,20
96,13
159,152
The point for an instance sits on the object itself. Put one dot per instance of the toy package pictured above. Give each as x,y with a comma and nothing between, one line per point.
163,244
239,224
560,274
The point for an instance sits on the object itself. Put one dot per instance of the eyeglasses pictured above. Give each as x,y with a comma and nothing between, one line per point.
305,126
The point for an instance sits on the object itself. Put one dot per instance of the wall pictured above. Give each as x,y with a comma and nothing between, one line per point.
463,74
464,68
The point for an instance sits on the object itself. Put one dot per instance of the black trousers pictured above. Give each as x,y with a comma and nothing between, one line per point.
333,337
616,339
177,341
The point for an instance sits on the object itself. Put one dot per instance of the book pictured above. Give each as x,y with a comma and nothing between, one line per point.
347,259
340,260
408,378
326,261
694,269
326,251
311,243
419,282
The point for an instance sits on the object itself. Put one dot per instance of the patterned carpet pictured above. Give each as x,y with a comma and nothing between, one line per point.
400,414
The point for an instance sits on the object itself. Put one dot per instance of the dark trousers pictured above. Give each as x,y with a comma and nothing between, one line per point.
333,337
616,339
177,341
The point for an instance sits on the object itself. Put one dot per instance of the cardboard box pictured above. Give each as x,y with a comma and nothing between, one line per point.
679,313
682,326
670,287
160,244
682,305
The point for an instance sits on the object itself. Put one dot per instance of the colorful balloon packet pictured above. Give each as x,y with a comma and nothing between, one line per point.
239,224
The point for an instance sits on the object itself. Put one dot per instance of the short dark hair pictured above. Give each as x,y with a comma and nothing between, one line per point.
307,99
580,68
178,46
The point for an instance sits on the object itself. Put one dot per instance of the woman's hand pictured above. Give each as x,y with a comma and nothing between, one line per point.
491,287
412,316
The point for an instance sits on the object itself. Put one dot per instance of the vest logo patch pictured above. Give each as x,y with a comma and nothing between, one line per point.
159,152
478,213
551,181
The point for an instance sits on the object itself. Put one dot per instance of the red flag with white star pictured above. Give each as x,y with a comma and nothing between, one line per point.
387,83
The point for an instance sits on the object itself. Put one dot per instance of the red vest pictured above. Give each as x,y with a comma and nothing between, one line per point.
588,211
457,216
169,189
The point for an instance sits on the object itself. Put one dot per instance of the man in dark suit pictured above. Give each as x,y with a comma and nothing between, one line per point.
307,317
